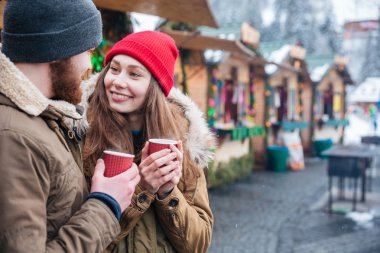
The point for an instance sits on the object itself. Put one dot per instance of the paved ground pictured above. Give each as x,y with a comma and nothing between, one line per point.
286,213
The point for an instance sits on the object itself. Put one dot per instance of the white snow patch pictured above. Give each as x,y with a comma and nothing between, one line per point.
319,72
368,91
213,55
144,22
277,56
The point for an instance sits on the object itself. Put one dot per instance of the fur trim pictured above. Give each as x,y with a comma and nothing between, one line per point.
88,87
21,91
200,141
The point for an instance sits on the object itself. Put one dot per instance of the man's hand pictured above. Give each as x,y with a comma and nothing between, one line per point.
120,187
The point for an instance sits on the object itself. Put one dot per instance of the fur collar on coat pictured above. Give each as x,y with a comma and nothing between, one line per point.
25,95
200,141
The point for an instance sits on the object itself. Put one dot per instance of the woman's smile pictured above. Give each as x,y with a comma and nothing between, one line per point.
118,97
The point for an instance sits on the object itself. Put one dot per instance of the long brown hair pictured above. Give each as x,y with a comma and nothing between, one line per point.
110,129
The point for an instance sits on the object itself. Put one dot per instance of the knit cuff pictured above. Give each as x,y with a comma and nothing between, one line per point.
108,200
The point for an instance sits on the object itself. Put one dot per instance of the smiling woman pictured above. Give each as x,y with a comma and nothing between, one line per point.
130,105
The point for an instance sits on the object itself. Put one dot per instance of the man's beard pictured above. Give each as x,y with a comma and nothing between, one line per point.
65,81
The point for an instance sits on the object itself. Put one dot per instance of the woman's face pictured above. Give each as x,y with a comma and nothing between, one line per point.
126,83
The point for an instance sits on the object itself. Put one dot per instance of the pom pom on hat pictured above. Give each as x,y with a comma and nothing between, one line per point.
155,50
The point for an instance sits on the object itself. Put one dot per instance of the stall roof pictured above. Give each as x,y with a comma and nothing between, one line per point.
276,52
319,65
196,12
267,48
196,41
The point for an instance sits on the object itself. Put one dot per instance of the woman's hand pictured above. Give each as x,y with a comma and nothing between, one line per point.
157,169
168,187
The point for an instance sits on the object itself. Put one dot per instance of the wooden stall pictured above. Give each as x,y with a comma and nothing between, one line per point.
288,92
330,78
222,77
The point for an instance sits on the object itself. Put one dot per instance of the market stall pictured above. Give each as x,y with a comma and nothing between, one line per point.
288,95
330,78
222,77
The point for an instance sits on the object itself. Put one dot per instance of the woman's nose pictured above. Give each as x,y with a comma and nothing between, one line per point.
120,81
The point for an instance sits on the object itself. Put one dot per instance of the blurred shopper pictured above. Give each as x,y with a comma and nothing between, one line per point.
131,104
45,201
373,115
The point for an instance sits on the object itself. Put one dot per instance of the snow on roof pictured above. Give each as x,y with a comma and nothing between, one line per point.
277,56
367,92
318,72
214,56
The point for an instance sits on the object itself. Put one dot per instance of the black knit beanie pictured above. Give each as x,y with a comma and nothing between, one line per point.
37,31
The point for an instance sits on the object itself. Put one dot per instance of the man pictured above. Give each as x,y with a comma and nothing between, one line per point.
44,200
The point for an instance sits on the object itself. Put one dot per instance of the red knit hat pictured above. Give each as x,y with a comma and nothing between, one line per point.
155,50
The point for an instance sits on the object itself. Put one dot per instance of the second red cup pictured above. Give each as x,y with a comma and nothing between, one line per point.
156,145
116,162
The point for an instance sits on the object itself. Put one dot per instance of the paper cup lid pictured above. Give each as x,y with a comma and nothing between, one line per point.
163,141
113,152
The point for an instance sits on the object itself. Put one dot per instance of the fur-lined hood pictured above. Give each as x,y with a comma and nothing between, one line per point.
25,95
200,141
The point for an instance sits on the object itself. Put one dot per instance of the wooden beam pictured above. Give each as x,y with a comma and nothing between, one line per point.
196,12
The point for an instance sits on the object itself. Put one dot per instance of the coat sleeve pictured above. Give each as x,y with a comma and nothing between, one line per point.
24,191
187,223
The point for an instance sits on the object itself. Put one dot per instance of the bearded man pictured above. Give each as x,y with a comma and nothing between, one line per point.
45,203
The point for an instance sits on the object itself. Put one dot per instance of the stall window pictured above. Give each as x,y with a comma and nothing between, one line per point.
292,105
328,97
318,104
231,106
282,110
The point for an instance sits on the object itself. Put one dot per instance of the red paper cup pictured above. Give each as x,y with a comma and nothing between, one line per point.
156,145
116,162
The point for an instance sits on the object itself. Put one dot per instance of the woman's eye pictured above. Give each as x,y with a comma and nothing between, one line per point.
114,69
134,74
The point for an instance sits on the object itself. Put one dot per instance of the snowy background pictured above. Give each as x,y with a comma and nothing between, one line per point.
319,25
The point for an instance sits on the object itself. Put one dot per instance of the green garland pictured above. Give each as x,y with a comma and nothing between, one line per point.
97,57
235,169
227,172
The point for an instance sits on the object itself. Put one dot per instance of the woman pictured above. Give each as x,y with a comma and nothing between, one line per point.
131,104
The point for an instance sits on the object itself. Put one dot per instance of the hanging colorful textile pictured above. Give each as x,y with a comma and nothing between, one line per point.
337,105
211,114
